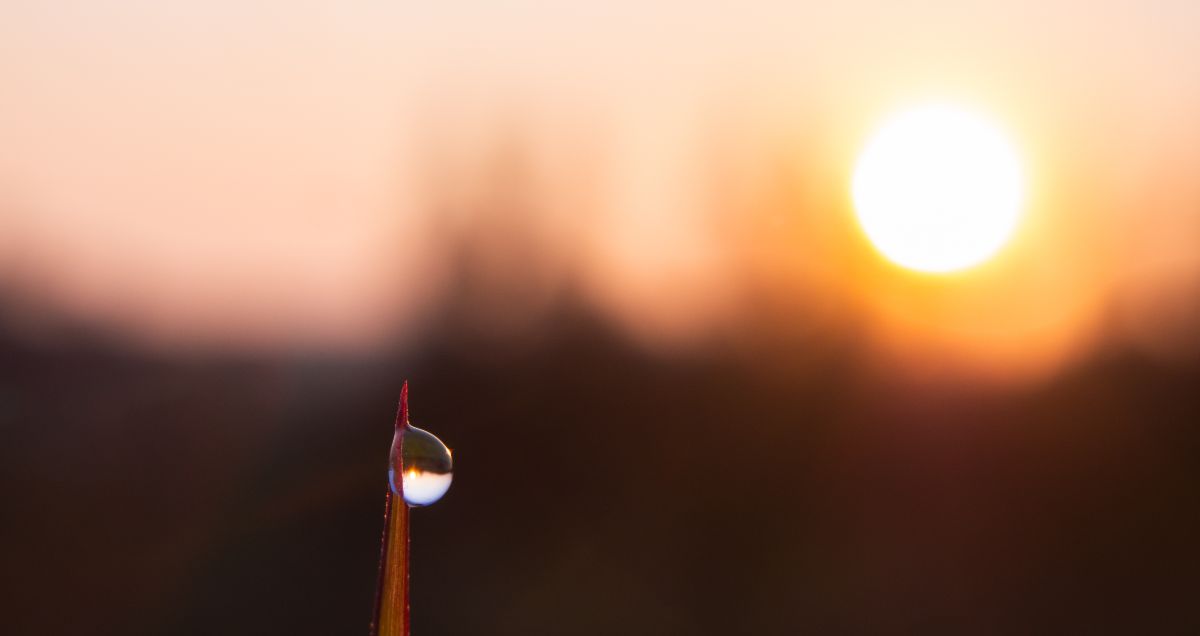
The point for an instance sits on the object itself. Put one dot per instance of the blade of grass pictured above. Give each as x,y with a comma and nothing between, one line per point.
391,595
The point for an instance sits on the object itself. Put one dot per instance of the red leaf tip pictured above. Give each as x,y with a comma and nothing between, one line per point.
402,414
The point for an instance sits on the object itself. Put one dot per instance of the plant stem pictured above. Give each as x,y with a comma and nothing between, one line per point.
391,595
392,598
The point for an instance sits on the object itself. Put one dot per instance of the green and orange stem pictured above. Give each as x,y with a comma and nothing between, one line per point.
391,595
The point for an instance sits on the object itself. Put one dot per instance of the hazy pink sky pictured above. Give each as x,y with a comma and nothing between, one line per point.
286,173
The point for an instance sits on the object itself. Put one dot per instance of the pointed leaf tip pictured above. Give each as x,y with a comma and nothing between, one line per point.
402,414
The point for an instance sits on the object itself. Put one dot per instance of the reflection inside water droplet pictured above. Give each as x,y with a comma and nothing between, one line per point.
424,472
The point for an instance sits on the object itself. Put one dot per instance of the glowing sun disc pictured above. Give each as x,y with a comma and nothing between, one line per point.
938,189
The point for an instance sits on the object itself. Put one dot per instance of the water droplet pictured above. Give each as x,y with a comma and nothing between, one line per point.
423,473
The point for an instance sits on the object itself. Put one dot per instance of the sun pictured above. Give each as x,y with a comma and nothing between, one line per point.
938,189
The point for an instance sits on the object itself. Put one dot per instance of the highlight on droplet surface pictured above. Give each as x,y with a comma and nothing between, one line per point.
420,469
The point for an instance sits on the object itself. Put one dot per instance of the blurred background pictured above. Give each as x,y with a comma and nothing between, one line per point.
612,248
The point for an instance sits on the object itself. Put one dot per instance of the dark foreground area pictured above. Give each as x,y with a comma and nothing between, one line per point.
599,490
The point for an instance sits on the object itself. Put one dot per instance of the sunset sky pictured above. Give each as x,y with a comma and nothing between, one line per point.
305,174
860,317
